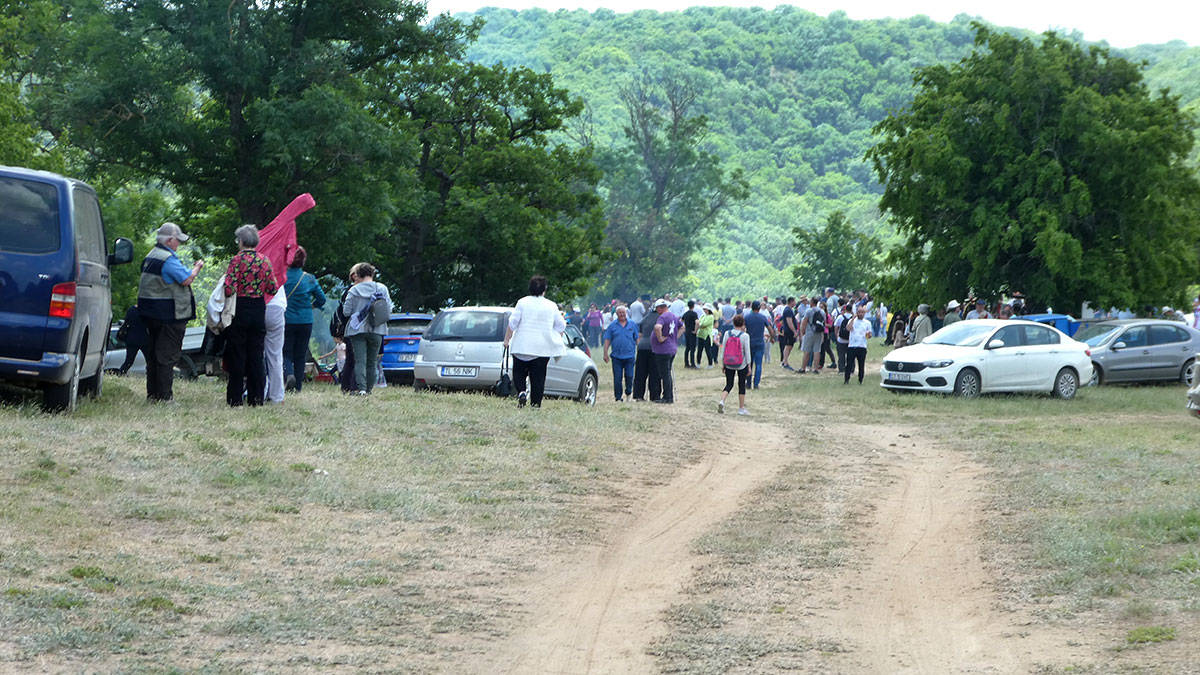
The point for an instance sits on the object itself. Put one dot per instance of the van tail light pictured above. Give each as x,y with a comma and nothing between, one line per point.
62,300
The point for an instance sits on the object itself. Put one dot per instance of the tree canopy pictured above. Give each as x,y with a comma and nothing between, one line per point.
837,255
1042,167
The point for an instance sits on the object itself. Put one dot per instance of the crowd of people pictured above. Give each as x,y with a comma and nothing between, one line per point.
265,326
262,325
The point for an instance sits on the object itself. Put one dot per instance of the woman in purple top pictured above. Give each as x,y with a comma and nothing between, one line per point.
664,344
593,325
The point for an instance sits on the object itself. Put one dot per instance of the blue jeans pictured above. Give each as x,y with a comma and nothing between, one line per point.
622,370
756,357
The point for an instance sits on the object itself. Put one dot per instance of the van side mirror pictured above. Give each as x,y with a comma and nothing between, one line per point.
995,344
122,252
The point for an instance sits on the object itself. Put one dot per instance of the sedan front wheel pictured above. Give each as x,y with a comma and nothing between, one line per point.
967,384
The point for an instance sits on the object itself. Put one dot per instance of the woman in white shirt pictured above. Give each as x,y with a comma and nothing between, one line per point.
534,335
856,348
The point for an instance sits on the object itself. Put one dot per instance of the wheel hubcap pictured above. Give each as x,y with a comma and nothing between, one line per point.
1066,386
970,386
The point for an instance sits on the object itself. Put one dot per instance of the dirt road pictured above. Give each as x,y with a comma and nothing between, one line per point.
920,601
600,615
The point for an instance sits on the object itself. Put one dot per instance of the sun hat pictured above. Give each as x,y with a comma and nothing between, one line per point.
953,304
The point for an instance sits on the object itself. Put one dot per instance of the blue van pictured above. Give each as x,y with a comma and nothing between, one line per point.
55,301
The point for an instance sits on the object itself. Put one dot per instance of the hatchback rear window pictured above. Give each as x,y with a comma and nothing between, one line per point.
28,216
469,326
407,326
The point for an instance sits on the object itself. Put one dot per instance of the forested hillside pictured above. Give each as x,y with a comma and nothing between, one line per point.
791,98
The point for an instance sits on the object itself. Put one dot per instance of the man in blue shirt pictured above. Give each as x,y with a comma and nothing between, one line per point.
622,337
758,325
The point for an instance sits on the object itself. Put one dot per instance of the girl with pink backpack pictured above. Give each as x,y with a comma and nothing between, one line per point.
735,358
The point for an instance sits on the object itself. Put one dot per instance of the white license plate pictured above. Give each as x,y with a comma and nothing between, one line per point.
408,357
899,377
459,371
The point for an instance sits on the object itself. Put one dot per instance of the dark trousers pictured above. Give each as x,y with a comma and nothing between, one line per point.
295,350
741,380
346,376
841,347
706,348
856,354
622,375
535,371
663,363
827,348
131,353
244,352
690,342
645,375
593,335
162,353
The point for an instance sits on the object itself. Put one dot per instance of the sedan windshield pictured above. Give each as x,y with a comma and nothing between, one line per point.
1098,334
468,325
961,334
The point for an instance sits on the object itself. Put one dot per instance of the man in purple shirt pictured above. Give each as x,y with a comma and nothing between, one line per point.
664,343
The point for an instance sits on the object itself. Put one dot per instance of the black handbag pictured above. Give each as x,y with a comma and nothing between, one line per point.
504,386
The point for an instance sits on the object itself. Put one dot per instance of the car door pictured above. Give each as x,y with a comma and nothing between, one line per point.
1042,356
1132,360
560,370
1170,347
1006,367
93,304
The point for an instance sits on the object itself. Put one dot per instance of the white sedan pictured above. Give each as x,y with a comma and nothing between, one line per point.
969,358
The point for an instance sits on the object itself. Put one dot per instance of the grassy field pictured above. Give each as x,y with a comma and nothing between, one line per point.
385,533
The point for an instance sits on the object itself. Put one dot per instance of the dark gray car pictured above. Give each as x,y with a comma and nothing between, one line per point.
1141,350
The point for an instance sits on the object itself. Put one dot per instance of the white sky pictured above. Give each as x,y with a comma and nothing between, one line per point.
1123,24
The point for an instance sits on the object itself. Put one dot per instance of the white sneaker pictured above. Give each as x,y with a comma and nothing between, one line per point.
743,411
720,407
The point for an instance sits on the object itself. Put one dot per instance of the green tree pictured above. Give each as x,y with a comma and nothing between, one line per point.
242,105
495,200
663,188
837,255
1040,167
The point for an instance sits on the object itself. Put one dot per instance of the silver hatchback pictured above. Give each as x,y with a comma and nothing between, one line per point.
1141,350
463,348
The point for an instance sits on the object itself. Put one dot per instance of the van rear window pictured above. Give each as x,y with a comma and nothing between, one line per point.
28,216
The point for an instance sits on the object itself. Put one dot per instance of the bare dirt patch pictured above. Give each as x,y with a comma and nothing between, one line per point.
600,612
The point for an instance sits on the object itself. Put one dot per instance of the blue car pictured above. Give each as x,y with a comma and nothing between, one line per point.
55,299
401,343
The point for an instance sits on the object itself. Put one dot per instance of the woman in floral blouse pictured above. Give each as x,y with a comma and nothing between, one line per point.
249,277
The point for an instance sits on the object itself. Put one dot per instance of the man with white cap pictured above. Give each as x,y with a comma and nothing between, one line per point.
951,313
166,304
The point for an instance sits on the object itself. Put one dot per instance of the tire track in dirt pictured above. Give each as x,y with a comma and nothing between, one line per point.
923,602
600,614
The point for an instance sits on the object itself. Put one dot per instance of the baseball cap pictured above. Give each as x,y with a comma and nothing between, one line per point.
172,230
661,303
756,305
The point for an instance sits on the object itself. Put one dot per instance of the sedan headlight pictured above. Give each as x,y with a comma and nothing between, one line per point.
944,363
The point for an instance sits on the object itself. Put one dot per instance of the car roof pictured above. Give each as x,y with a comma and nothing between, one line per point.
18,171
478,309
1131,322
1043,317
